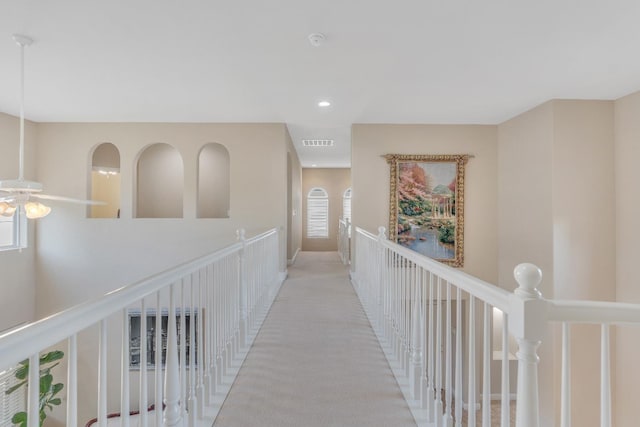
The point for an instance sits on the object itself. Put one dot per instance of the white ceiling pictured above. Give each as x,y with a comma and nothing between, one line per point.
401,61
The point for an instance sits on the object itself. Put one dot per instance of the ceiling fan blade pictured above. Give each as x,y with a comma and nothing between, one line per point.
67,199
7,198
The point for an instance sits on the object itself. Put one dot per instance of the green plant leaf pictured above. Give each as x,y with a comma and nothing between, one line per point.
23,371
51,356
15,387
18,418
57,388
57,401
45,383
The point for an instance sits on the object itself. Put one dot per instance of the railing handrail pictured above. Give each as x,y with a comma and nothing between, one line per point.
18,344
494,295
600,312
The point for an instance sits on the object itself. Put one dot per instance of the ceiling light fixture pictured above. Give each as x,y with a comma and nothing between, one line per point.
324,104
20,193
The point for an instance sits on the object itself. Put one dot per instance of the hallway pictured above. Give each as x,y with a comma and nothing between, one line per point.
316,360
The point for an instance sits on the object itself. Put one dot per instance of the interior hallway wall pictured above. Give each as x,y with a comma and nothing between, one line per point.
556,202
335,181
627,178
81,258
294,201
370,178
18,267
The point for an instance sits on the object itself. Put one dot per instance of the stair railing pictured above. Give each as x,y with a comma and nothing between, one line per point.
436,326
183,333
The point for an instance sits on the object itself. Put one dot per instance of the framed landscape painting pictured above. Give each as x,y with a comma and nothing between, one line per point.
426,209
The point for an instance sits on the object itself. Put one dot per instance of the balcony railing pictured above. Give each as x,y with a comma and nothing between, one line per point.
435,324
215,306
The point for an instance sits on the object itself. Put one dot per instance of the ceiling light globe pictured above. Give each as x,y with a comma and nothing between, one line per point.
35,210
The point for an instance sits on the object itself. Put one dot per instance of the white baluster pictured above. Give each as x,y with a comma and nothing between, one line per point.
565,385
471,412
430,357
242,267
124,373
458,399
33,397
72,382
193,399
144,417
448,416
102,375
183,351
202,364
528,309
506,392
486,367
172,414
605,379
158,361
439,410
418,331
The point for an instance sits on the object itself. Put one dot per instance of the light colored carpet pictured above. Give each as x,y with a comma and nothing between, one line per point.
316,361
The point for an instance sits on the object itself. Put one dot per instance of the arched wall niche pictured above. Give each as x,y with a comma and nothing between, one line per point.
159,182
214,186
104,185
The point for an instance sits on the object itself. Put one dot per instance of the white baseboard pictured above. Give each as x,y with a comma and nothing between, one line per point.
293,259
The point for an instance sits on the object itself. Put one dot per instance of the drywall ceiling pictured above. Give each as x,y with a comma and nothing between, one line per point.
403,61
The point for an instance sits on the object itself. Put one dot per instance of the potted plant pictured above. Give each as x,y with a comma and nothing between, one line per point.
48,390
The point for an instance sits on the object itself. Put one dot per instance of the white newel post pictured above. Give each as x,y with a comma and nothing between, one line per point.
243,288
527,321
172,414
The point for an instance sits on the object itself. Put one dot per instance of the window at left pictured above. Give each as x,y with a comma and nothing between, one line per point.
13,229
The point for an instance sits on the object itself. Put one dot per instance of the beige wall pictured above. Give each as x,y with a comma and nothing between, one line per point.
556,203
17,284
627,178
81,258
159,183
335,181
294,201
370,179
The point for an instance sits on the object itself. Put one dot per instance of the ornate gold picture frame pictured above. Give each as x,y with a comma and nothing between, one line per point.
426,208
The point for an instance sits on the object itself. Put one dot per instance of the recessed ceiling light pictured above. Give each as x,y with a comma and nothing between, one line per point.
314,165
324,104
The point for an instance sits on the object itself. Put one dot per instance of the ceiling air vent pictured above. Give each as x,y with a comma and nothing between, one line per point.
317,142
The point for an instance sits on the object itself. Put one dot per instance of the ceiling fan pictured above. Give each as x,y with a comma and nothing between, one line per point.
21,193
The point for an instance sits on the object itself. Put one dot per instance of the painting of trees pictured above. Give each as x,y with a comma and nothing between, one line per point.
428,199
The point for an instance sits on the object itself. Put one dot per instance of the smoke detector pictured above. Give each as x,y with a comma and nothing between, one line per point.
316,39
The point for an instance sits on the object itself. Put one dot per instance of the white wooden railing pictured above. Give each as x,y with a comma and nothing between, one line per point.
226,293
417,307
344,240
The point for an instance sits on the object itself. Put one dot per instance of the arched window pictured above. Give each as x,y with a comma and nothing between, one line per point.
213,182
105,181
159,182
317,213
346,205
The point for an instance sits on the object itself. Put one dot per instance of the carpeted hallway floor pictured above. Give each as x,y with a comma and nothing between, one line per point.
316,360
